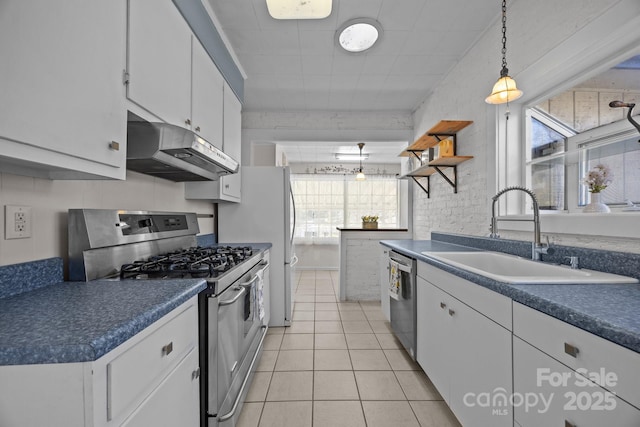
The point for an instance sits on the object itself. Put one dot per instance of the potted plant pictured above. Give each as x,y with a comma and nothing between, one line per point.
597,180
370,221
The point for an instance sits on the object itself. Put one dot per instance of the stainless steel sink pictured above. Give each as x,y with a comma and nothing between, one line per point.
513,269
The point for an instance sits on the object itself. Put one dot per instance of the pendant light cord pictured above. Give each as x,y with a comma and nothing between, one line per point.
504,72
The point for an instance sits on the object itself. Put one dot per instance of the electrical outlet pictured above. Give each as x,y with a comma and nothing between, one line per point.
17,222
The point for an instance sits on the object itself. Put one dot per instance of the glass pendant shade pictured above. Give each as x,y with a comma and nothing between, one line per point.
360,176
505,90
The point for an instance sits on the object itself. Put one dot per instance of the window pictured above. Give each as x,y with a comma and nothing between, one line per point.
325,202
558,158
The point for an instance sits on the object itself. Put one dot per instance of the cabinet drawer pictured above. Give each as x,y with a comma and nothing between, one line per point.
493,305
579,349
137,370
561,397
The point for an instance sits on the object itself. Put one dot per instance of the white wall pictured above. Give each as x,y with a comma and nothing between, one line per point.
549,42
50,201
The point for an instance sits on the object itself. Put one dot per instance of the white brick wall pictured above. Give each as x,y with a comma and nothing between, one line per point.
362,272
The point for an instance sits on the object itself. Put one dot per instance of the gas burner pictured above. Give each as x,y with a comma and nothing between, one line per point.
195,262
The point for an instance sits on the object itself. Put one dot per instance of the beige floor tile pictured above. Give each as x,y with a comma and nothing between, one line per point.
306,298
369,360
303,315
434,414
328,327
386,414
401,361
267,361
300,327
326,306
349,306
276,330
348,315
325,291
375,315
272,342
297,342
362,342
304,306
334,385
250,415
330,342
304,292
325,298
379,385
259,386
389,341
417,386
331,360
370,305
295,360
327,315
287,414
289,386
338,414
380,326
357,327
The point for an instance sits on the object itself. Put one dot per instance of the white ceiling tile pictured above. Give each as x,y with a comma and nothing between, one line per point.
349,9
347,64
317,64
401,18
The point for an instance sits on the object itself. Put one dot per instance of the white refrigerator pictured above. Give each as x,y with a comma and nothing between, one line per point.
266,215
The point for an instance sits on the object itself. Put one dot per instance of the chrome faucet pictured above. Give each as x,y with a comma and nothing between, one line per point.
537,248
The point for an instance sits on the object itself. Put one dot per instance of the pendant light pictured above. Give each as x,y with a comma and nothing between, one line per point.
505,89
360,176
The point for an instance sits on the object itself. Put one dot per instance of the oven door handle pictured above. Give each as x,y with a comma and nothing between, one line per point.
262,270
234,299
402,266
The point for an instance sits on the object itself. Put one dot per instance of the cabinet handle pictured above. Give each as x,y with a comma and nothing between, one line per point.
167,349
187,122
571,350
195,374
568,424
115,146
197,128
451,312
443,305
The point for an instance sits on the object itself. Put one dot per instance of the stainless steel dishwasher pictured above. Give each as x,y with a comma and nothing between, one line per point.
402,277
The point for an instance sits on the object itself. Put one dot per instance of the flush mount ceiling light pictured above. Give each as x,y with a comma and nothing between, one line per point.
360,176
505,89
351,156
299,9
358,35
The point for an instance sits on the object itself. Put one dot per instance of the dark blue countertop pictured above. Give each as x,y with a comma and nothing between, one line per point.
608,311
81,321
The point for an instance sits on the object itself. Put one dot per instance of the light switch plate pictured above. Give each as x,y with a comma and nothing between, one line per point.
17,222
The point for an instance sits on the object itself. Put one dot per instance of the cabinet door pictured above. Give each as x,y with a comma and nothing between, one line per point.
480,352
555,395
62,92
159,60
206,96
175,402
231,184
434,335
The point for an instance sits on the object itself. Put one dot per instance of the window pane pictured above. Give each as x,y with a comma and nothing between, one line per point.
623,159
544,140
547,179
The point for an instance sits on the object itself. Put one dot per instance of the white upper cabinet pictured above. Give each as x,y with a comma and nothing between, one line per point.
62,114
159,60
232,141
206,96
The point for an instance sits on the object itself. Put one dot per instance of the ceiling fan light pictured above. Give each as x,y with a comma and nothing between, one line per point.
297,9
505,90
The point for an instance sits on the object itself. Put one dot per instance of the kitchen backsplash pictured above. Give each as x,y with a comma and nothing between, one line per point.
50,201
18,278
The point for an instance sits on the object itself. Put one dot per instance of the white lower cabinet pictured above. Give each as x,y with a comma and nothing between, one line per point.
150,380
551,394
466,355
384,282
588,380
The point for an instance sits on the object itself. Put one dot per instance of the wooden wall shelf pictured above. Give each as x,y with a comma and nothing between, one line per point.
445,129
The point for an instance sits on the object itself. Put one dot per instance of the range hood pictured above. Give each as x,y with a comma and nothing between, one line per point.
174,153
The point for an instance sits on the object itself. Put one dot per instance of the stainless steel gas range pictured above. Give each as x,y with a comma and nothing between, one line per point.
233,310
